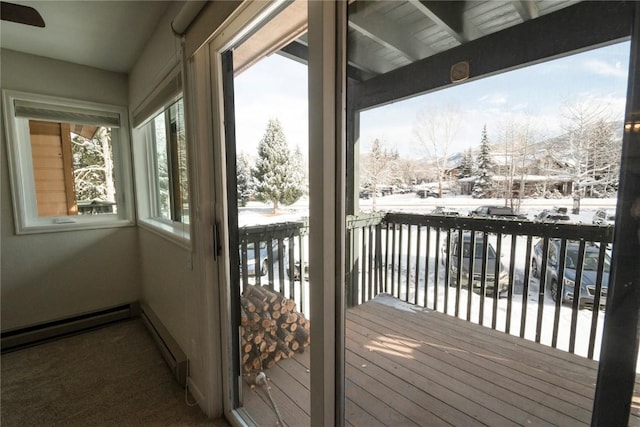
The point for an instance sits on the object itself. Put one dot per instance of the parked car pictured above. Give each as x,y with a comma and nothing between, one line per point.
494,211
589,271
553,215
603,217
423,193
366,194
296,270
263,254
441,210
503,279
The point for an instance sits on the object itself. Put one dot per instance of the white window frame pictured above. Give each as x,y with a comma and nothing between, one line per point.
144,169
20,163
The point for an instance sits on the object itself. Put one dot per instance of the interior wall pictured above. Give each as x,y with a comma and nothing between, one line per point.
50,276
171,280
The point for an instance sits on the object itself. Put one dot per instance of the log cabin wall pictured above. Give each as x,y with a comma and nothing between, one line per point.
52,168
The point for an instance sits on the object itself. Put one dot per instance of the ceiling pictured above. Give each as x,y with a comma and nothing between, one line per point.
387,35
104,34
384,36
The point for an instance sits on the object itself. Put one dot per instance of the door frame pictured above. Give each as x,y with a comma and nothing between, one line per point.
327,139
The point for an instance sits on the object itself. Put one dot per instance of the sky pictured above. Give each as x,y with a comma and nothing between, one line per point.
276,87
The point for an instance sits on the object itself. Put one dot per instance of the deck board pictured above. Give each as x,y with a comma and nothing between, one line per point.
473,362
412,367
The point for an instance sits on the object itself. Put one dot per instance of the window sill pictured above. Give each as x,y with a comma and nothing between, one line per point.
174,232
65,224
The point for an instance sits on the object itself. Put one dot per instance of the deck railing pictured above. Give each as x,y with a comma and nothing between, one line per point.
417,258
276,255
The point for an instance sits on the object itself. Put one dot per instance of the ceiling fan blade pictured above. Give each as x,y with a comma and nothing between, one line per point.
20,14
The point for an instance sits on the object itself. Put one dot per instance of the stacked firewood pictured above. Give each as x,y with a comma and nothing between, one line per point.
270,327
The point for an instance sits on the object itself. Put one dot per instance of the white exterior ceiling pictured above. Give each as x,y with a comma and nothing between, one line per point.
104,34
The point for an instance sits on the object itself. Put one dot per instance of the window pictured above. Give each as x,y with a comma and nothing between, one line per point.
162,173
170,165
69,163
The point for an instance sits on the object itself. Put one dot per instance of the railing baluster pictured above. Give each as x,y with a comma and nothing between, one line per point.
387,251
257,270
400,241
370,247
497,270
472,258
562,257
596,300
576,297
512,271
447,266
304,265
541,287
417,281
458,272
393,259
525,289
378,257
291,264
408,278
281,267
245,273
363,268
483,276
427,263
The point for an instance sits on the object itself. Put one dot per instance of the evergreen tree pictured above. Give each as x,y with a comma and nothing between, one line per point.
278,176
483,186
244,181
466,167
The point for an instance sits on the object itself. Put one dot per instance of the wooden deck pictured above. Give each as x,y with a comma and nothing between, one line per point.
407,366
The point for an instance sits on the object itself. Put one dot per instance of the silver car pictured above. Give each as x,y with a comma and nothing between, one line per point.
490,276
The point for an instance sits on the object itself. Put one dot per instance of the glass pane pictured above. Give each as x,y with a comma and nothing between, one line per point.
73,168
161,170
431,326
271,144
181,187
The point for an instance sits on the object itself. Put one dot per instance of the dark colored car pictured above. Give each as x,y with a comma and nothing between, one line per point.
503,279
589,271
553,216
423,193
494,211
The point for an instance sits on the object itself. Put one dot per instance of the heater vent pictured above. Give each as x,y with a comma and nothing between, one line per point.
23,337
169,348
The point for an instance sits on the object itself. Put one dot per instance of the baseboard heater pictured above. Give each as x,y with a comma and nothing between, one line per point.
169,348
23,337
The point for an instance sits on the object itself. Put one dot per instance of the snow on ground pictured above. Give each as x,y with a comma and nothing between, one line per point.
258,213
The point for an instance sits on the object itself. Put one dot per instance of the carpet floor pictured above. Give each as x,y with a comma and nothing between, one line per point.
113,376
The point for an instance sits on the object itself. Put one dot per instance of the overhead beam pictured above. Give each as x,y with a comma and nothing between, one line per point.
296,51
568,30
386,32
446,15
527,9
299,52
